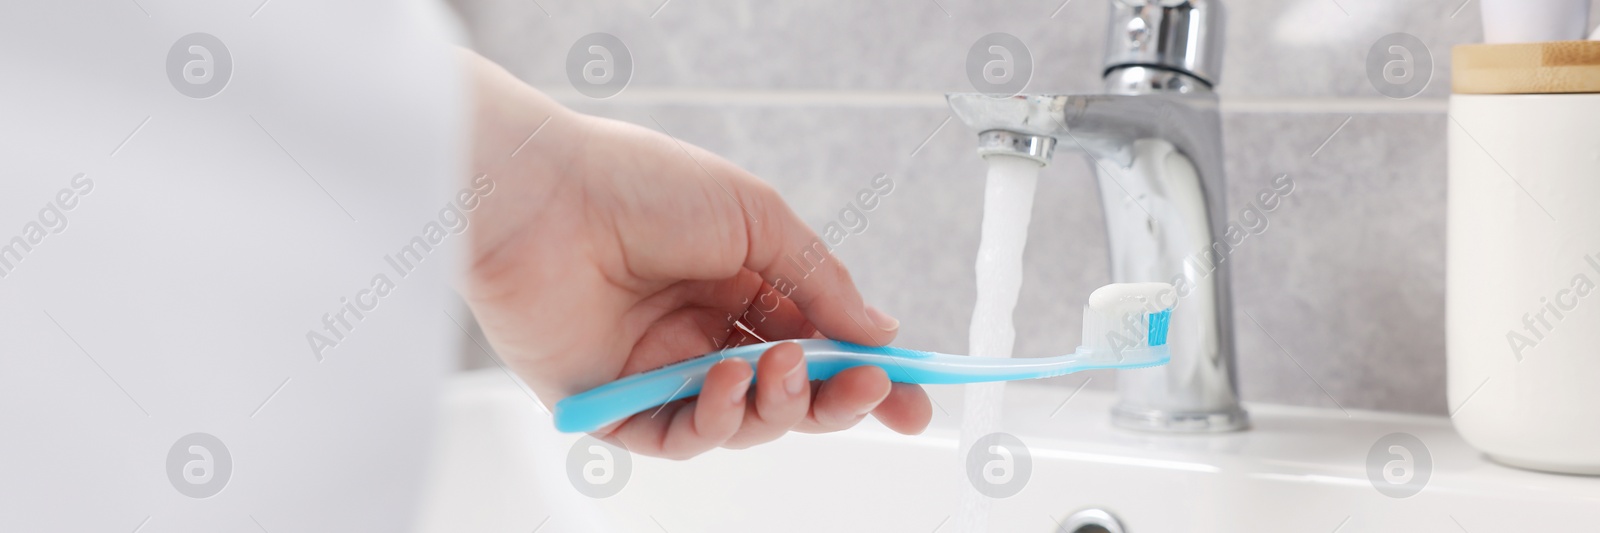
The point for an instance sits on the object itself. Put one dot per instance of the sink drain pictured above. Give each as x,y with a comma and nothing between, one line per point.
1092,521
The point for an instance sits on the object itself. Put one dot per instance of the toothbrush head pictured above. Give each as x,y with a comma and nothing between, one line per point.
1127,318
1158,322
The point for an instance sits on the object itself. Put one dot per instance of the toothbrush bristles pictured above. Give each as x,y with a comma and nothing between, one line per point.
1158,327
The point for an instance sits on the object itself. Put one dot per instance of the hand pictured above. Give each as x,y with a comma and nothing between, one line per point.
606,249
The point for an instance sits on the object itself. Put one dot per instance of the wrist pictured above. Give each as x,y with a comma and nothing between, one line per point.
506,114
526,146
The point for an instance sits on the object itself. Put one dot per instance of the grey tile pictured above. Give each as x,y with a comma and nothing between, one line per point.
835,44
1317,48
1275,49
1347,277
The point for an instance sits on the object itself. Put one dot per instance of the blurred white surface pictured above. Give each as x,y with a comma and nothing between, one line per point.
1299,469
190,193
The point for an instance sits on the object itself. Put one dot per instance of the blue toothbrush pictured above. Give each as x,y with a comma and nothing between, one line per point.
1123,328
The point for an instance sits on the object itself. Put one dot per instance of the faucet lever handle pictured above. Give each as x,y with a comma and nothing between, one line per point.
1178,35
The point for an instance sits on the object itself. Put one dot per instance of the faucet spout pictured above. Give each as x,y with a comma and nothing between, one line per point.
1158,160
1155,141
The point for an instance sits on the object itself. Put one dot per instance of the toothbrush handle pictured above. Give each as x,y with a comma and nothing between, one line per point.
617,400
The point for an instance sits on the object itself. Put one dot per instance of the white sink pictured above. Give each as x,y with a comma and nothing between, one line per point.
503,468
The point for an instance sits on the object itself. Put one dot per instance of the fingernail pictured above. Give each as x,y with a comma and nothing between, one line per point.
739,391
882,319
795,380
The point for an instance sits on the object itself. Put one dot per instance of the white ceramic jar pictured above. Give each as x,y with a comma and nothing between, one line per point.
1523,281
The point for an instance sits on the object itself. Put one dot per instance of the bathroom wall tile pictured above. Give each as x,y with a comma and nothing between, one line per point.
834,44
1319,48
1340,299
1275,49
1347,277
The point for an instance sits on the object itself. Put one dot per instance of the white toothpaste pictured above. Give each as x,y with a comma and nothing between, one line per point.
1117,298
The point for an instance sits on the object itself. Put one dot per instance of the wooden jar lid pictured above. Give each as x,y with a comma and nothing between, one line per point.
1526,68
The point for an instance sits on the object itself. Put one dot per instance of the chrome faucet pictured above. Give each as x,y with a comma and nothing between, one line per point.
1155,143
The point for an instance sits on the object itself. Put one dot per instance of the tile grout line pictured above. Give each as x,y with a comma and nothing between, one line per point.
936,100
